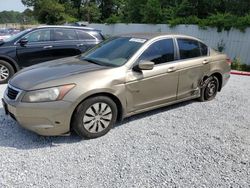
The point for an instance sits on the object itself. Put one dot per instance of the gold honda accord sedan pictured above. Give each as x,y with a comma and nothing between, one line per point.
122,76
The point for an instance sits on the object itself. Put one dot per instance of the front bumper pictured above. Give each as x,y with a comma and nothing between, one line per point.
47,118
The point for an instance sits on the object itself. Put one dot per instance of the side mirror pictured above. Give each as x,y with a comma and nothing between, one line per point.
23,41
144,65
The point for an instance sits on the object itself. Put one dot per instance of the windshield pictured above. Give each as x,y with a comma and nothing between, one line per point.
114,52
16,36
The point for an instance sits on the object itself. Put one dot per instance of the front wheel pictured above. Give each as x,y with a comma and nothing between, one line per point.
209,89
94,117
6,72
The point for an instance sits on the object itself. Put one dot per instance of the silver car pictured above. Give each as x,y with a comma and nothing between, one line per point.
120,77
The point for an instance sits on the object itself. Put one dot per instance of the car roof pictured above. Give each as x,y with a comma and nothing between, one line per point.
68,27
149,36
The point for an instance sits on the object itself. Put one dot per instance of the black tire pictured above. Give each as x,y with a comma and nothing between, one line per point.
6,72
89,123
209,89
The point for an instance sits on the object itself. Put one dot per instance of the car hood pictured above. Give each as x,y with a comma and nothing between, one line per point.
32,76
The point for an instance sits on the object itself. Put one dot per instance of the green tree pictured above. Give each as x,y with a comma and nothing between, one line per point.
222,14
28,17
106,8
73,7
90,12
152,12
49,12
10,17
29,3
133,13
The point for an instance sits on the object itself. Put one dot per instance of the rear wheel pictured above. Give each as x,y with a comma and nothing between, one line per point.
209,89
94,117
6,72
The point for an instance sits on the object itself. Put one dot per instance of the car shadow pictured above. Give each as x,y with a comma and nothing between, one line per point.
14,136
154,112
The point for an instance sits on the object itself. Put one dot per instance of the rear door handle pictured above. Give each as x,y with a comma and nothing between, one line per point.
47,47
171,69
205,61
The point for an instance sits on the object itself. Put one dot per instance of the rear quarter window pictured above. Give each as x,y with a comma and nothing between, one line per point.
82,35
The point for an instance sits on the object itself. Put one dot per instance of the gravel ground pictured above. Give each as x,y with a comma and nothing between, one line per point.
191,144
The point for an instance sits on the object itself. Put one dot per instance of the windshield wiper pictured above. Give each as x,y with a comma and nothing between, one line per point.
92,61
98,62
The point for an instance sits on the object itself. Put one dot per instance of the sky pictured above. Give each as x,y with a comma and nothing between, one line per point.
15,5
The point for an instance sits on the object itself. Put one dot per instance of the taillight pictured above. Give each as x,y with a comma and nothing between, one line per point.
229,62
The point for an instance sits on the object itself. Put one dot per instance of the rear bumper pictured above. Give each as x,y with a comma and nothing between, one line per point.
47,119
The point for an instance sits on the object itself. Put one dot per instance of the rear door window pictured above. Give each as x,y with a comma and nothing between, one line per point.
65,34
161,51
188,48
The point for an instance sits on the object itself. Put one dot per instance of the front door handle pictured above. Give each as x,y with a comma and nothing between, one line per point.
171,69
47,47
205,61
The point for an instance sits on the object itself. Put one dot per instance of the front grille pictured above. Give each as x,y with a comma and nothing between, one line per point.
12,93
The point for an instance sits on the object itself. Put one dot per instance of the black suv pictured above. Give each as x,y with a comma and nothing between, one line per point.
33,46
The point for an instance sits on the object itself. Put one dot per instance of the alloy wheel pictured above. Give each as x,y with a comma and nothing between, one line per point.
97,117
4,73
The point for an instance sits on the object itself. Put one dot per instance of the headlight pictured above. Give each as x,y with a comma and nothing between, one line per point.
47,95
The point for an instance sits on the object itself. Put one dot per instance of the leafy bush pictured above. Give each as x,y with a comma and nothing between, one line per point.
220,21
184,20
242,23
238,65
113,19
